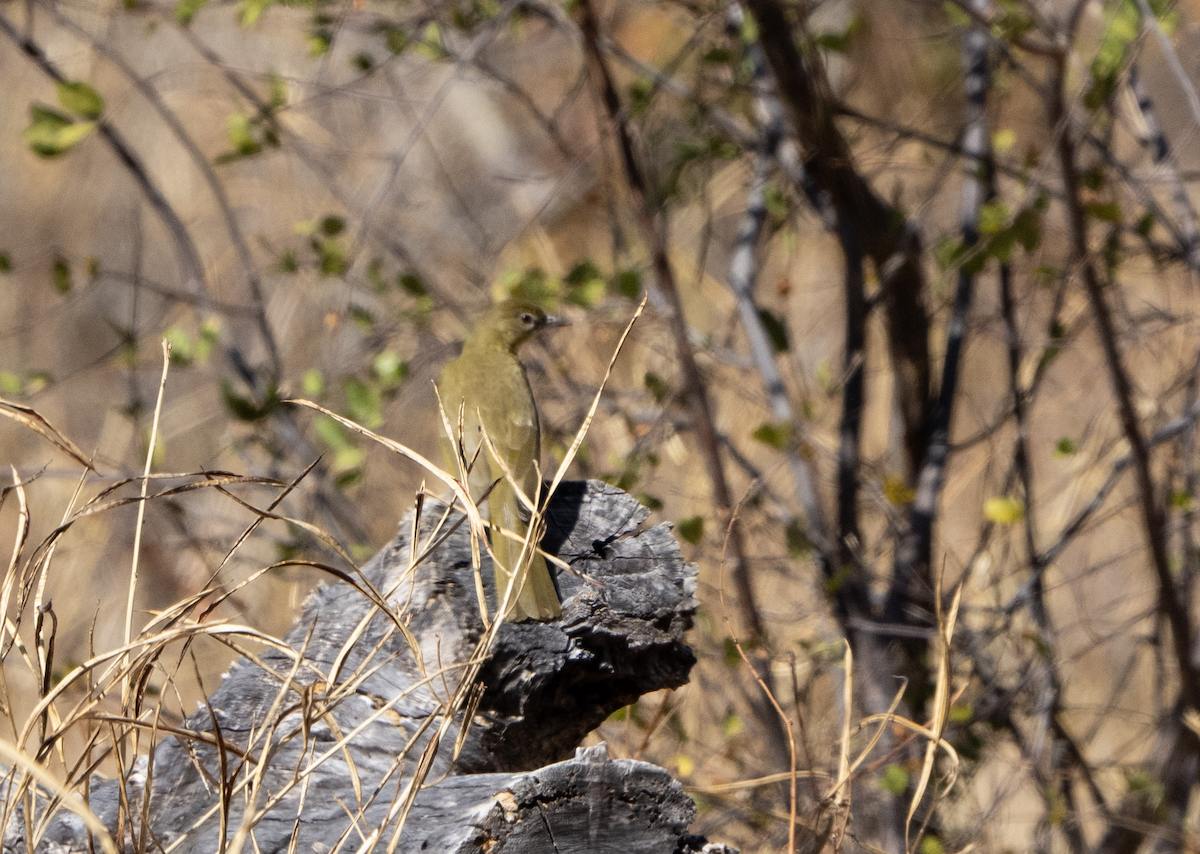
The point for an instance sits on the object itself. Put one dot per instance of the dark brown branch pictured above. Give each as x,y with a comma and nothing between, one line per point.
914,552
881,231
1153,519
694,390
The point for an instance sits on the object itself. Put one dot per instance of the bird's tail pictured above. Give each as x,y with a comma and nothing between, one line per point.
537,599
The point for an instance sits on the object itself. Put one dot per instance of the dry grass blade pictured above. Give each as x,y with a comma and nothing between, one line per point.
846,771
847,705
755,783
16,757
10,574
30,418
119,667
460,493
581,433
941,705
141,513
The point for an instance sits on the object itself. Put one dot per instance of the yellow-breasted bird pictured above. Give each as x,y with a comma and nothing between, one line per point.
488,383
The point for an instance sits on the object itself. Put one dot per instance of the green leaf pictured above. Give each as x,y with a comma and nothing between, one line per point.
80,99
346,459
956,16
1094,179
412,285
1064,447
649,501
692,529
586,285
331,256
1004,510
431,42
732,725
1027,228
629,284
5,262
840,42
992,217
185,10
395,38
1003,140
894,779
897,491
313,383
61,274
362,317
656,385
364,403
949,252
182,351
777,434
799,544
930,844
50,133
10,383
246,409
332,226
1182,501
331,432
1104,211
775,328
640,92
390,369
252,10
961,713
241,135
319,42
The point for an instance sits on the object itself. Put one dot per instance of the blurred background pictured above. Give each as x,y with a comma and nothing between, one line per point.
314,198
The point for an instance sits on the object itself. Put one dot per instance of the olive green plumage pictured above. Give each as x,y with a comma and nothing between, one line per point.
488,383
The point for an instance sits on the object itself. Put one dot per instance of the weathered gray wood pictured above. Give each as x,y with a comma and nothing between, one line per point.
545,687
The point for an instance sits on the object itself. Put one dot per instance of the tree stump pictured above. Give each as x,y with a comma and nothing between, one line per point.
313,749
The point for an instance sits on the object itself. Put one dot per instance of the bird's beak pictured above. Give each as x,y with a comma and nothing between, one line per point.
552,321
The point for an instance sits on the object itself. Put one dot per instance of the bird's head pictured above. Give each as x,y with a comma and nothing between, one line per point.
513,322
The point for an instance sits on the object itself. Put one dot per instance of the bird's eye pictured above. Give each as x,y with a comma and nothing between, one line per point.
526,319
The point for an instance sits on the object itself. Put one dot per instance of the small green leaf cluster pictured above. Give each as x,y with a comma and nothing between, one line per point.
52,132
364,400
1000,231
187,349
584,285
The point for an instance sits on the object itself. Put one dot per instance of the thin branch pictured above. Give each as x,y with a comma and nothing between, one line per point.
191,267
228,217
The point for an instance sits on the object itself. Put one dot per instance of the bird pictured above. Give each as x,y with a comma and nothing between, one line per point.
487,385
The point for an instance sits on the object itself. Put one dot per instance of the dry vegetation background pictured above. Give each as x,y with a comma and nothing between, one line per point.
312,199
